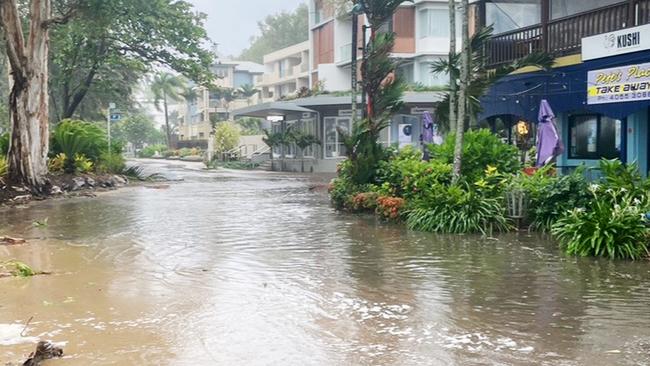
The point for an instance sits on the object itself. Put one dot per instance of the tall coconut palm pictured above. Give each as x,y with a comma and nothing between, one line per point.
166,88
247,91
453,77
464,84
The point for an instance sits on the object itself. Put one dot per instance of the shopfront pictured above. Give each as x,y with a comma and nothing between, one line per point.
602,104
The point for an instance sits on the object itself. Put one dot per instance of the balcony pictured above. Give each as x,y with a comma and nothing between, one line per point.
563,36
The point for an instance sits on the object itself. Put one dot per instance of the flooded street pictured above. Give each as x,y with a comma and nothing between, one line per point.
255,268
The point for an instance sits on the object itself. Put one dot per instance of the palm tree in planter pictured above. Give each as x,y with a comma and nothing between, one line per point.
272,140
166,88
303,140
247,91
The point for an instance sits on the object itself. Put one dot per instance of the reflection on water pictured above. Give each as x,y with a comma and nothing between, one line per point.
254,268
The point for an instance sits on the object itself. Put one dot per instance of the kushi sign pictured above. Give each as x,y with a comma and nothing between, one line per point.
616,43
629,83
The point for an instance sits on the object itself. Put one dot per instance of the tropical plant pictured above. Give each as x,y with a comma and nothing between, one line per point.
166,88
302,140
56,164
550,197
458,209
151,150
614,226
83,164
4,143
226,137
480,149
111,164
481,77
3,166
247,91
627,177
250,126
384,89
74,138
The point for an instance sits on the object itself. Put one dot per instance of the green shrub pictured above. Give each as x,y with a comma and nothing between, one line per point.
4,143
406,175
457,209
550,197
366,201
74,138
111,164
226,137
83,164
614,226
3,166
150,151
480,149
627,178
56,163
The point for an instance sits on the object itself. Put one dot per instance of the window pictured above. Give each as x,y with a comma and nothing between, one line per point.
276,127
384,137
406,73
428,78
290,149
507,15
433,23
333,140
595,137
201,135
563,8
281,69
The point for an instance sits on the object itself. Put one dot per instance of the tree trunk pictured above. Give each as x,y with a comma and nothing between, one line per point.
169,131
453,88
28,101
462,102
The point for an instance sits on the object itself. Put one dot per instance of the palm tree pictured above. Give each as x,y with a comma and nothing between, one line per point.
166,87
481,76
303,140
453,88
272,140
464,84
247,91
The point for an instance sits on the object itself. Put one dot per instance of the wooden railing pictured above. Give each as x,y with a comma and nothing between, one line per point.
563,36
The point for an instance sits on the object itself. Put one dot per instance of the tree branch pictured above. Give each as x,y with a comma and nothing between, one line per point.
12,26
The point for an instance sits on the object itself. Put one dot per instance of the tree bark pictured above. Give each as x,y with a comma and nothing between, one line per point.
462,102
28,101
453,88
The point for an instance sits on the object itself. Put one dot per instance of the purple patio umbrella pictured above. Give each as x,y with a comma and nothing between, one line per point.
549,144
427,133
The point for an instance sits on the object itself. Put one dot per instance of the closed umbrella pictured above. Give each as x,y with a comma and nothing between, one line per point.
549,143
427,133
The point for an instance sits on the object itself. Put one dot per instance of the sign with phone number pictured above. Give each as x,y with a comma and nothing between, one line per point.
629,83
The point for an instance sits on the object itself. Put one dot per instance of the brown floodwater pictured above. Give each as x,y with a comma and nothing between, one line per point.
253,268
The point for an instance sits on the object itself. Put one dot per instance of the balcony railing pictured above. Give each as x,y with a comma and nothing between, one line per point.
563,36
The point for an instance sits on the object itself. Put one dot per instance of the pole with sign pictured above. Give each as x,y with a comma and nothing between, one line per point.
112,116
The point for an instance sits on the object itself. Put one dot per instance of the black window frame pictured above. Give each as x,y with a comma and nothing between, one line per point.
598,155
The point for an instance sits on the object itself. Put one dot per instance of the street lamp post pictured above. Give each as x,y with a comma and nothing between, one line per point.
356,10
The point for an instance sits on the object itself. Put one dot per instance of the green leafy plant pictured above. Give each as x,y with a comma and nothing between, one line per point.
614,226
111,164
366,201
550,197
480,149
76,137
226,137
456,209
4,144
83,164
4,168
150,151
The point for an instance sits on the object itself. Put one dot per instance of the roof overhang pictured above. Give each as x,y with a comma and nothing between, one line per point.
271,109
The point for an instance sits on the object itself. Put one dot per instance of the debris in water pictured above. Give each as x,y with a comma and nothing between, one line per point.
40,224
7,240
44,351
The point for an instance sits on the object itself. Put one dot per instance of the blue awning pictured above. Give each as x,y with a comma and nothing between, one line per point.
565,88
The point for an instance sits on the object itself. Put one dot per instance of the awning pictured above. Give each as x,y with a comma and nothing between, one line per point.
270,109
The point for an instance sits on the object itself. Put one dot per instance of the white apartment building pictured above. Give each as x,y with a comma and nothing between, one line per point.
422,35
286,72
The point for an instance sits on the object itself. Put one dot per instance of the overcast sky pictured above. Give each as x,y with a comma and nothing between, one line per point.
232,23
